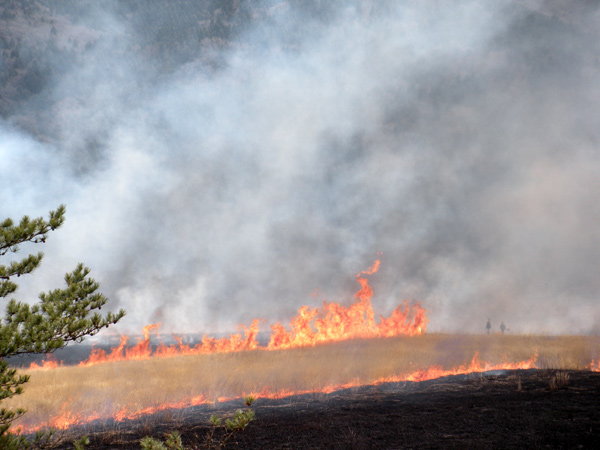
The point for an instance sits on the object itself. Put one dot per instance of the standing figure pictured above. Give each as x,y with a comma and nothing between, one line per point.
488,326
502,327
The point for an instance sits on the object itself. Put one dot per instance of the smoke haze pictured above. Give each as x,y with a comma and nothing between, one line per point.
459,140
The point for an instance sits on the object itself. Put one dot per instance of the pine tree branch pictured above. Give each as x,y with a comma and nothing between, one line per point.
61,316
28,230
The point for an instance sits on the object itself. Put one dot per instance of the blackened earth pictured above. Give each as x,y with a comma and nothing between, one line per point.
502,410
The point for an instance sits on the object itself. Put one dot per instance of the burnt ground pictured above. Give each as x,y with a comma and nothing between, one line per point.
478,411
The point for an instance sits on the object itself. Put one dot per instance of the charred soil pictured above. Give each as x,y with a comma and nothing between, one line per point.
505,410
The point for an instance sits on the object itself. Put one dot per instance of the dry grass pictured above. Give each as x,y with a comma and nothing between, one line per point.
559,380
107,388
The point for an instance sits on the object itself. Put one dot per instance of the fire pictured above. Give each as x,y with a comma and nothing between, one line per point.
66,418
334,322
48,363
311,326
475,366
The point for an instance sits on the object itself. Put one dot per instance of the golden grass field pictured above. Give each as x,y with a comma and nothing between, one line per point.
105,389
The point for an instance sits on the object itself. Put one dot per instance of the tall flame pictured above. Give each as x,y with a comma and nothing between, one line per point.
334,322
311,326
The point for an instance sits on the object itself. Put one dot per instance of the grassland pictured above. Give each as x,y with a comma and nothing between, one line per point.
106,390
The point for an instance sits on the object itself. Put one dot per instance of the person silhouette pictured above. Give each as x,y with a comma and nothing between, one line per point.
502,327
488,326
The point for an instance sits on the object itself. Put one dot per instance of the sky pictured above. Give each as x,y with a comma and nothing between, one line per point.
457,144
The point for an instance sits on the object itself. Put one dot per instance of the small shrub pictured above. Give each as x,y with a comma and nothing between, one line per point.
172,442
559,380
80,444
223,430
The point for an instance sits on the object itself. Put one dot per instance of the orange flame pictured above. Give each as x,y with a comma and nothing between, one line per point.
334,322
66,418
48,363
311,326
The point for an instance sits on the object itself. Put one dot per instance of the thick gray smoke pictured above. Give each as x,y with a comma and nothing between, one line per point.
460,140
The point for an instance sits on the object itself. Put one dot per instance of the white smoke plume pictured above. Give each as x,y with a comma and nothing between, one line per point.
460,140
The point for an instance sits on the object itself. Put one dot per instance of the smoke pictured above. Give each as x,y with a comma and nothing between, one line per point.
203,191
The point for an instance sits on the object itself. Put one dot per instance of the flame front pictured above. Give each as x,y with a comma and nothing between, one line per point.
67,418
334,322
48,363
311,326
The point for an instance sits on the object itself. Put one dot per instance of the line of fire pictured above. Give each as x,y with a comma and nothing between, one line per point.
311,327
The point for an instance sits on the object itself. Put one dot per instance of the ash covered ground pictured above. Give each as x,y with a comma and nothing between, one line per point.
500,410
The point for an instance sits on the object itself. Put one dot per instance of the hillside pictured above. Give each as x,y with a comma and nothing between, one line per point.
43,40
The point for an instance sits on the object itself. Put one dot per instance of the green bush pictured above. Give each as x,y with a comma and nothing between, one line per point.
222,431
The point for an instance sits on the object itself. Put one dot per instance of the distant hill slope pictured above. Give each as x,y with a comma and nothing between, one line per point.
41,40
